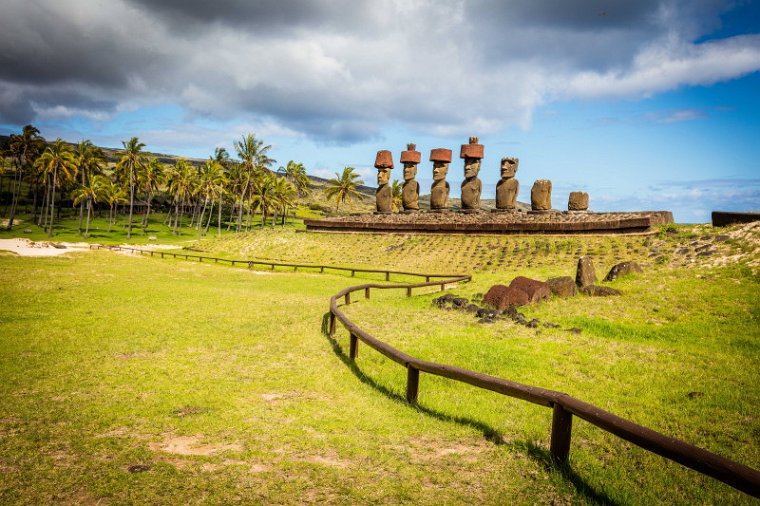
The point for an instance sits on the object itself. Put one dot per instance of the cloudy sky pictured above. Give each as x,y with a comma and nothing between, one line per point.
645,104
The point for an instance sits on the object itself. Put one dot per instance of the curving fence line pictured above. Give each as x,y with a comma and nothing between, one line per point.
563,406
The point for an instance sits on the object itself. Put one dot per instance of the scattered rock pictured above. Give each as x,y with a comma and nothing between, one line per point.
459,302
152,238
585,275
27,230
562,287
486,313
471,308
551,325
622,269
536,290
138,468
574,330
501,297
693,395
600,291
486,320
717,238
58,246
682,251
705,253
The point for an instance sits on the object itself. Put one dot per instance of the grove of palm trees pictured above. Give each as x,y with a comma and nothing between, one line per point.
230,193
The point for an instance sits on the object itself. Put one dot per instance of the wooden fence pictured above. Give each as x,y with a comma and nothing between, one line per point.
563,406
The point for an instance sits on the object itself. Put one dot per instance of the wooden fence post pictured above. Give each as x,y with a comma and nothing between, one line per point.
562,427
348,298
250,265
412,383
387,276
408,291
353,347
366,293
332,324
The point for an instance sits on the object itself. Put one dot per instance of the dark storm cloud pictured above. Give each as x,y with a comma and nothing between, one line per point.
263,15
339,70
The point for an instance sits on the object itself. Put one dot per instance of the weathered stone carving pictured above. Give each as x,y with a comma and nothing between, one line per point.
410,192
472,153
541,195
578,201
439,191
508,187
383,197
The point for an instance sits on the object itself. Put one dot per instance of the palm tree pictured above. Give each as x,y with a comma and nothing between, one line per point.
254,160
181,184
150,180
89,193
284,193
397,188
130,164
113,194
211,183
24,149
264,196
296,173
343,187
58,158
89,159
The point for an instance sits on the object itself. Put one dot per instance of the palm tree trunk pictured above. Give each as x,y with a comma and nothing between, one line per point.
110,218
89,212
210,215
52,202
14,200
219,219
131,202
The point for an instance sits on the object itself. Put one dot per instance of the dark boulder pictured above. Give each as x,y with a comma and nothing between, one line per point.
600,291
622,269
585,275
562,287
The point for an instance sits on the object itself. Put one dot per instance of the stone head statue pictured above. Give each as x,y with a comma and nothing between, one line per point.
383,176
472,153
509,167
439,192
441,159
383,164
410,158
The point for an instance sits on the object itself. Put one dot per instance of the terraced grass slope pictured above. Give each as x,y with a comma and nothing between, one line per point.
131,380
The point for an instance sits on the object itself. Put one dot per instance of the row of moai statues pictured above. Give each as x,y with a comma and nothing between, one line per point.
472,153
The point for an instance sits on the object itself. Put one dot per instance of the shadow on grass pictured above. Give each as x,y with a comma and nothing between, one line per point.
540,455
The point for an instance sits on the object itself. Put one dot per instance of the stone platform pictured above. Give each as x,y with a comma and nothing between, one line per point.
485,222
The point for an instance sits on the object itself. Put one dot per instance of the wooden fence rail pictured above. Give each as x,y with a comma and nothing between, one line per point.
563,406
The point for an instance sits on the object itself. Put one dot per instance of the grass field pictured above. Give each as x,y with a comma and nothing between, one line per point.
130,380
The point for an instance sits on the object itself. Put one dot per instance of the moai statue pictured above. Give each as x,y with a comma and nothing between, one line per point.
578,201
439,191
383,197
472,153
541,195
507,187
410,192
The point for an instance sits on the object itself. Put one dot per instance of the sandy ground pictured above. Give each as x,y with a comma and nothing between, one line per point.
29,248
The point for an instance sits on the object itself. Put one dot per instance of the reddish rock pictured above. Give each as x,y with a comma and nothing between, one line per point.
535,290
622,269
384,159
501,297
562,287
472,150
585,275
440,155
411,155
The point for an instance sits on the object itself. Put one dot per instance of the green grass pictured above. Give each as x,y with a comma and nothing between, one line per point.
109,361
